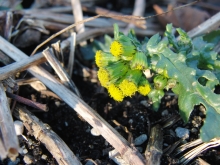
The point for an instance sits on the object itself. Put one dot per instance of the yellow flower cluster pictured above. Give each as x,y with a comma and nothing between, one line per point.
121,69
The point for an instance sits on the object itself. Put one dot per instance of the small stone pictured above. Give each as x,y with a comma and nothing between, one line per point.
145,103
128,104
182,132
140,139
44,157
130,121
57,103
165,144
66,124
95,132
165,113
25,151
28,159
116,157
19,127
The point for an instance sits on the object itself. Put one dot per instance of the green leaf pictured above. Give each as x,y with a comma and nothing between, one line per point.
172,39
212,37
203,56
155,45
191,92
184,42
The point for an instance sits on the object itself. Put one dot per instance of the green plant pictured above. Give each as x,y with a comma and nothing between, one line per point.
190,68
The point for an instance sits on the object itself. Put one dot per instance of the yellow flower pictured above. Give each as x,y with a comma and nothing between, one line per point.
103,76
128,88
123,48
116,70
139,61
144,89
116,48
115,93
130,82
104,58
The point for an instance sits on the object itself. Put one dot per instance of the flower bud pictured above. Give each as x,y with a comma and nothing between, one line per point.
139,61
116,70
129,85
171,83
123,47
112,73
144,86
102,59
160,82
104,77
115,93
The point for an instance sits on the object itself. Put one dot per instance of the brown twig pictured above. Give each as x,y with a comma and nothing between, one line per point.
60,71
107,16
139,8
118,16
7,127
71,54
78,15
28,102
54,144
19,66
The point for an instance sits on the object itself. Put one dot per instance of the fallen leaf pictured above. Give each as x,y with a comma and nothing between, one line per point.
187,18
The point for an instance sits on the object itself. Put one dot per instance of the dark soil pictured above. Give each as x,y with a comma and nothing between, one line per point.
130,113
134,113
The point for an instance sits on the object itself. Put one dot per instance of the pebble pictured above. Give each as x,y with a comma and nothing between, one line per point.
165,113
130,121
128,104
28,159
165,144
140,139
95,132
44,157
145,103
116,157
182,132
19,127
25,151
57,103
